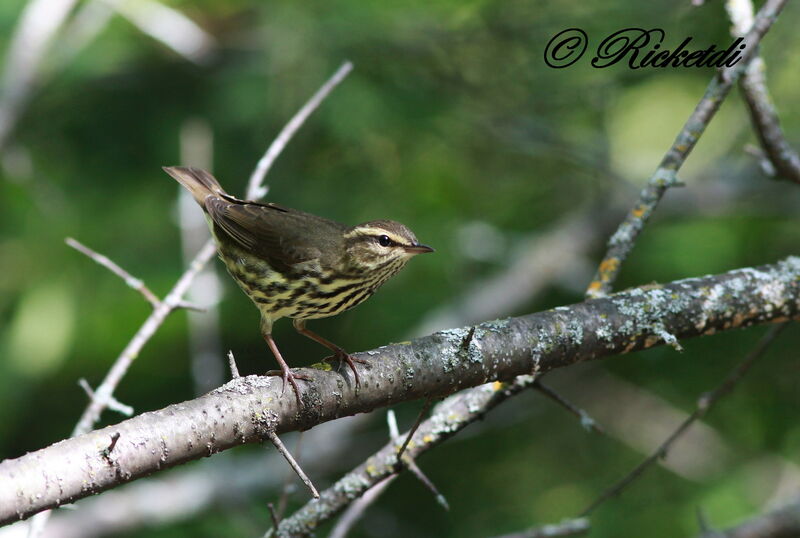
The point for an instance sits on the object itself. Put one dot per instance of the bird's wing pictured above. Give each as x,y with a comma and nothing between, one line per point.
281,236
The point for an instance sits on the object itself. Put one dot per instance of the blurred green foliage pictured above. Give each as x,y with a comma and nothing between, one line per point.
451,117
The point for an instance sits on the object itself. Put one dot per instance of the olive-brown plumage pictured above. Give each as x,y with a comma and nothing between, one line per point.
298,265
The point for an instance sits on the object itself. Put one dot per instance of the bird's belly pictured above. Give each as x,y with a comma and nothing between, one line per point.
301,295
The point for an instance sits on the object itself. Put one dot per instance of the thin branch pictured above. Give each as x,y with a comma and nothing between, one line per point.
704,404
131,281
408,462
432,366
421,415
287,488
296,466
586,420
427,482
570,527
255,189
665,176
104,392
753,84
358,508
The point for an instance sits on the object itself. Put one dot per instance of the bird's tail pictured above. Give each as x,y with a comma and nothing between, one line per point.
198,182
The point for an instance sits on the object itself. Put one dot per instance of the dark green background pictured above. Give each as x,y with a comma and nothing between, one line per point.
450,117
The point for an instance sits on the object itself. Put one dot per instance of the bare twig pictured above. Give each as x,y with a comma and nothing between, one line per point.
665,176
113,403
288,488
586,421
408,461
130,280
784,158
421,415
296,466
704,404
273,515
358,508
427,482
104,393
570,527
255,189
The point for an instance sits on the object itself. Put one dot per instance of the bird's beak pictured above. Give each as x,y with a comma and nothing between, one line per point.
418,249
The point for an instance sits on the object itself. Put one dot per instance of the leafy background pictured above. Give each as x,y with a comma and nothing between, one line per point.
451,123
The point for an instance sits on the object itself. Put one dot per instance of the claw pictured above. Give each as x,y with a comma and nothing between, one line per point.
287,375
343,356
284,372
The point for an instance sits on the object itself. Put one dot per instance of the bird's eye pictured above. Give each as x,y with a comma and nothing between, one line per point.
384,241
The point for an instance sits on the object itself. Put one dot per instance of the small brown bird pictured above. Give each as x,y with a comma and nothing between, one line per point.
297,265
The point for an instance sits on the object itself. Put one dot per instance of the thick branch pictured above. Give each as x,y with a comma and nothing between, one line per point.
246,408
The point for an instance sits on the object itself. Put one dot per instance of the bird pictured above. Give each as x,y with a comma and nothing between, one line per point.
296,265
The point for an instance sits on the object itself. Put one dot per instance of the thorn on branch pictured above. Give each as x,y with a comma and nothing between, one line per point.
186,305
467,339
667,337
273,516
130,280
232,365
273,437
106,452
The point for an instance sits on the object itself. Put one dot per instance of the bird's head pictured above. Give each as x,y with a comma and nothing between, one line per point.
381,245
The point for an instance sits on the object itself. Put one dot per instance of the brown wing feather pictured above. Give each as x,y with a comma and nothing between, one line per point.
281,236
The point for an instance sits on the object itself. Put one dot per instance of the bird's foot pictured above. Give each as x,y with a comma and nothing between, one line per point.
343,356
289,376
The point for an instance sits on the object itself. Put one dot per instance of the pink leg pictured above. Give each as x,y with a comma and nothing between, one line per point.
339,353
285,372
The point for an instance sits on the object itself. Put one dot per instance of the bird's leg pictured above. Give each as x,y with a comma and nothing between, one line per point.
285,372
338,353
